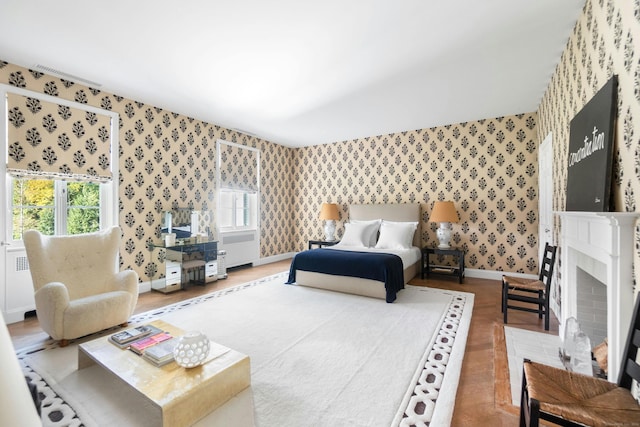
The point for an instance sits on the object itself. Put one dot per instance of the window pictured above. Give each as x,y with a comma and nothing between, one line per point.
238,175
55,206
66,191
237,210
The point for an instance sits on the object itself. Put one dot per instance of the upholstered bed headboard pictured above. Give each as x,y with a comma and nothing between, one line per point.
390,212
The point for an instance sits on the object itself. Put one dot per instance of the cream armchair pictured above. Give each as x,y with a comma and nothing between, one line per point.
78,289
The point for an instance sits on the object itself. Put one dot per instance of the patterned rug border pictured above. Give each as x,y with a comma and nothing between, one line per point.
421,406
418,410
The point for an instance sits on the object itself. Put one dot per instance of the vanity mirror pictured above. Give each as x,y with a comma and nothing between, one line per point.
178,221
185,222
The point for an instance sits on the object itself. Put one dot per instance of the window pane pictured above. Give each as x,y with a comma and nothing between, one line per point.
235,209
83,207
225,210
245,210
240,217
241,203
32,206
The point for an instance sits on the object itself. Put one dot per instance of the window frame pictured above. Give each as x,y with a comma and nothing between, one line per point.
109,215
254,195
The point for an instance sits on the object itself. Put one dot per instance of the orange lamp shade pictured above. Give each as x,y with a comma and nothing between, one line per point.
329,211
444,212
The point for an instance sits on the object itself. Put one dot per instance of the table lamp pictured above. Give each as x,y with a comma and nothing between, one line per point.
329,213
444,213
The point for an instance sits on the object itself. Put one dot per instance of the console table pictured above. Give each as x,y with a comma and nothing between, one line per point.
447,270
185,256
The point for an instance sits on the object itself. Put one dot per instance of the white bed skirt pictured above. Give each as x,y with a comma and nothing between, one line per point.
350,285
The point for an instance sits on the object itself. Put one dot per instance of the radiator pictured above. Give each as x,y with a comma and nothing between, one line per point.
18,288
242,247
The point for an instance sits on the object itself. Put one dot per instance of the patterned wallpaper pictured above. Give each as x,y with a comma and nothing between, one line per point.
167,161
603,43
487,167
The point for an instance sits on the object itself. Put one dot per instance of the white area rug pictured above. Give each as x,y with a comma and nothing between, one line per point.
536,346
318,358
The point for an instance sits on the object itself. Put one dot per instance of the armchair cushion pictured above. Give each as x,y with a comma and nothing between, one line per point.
96,311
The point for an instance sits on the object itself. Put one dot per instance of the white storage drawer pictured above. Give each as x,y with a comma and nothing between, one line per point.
211,271
173,272
172,281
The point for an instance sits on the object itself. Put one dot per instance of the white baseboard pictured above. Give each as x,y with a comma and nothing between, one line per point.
144,287
493,274
274,258
490,274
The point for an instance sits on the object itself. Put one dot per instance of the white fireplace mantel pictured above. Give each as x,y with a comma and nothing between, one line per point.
600,243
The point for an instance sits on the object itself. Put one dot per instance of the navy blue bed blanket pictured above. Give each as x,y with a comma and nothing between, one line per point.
382,267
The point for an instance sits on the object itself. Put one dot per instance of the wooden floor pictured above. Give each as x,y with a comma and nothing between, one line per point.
483,392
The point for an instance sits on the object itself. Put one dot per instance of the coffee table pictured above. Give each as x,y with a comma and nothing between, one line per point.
183,395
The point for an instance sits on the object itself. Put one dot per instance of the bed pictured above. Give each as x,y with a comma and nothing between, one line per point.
400,265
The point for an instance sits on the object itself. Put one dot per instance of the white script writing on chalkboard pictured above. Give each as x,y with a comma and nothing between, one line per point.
590,146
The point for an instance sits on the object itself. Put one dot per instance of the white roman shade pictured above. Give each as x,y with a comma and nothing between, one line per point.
55,141
239,167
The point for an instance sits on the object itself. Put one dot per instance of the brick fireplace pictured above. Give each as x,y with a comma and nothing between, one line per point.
597,277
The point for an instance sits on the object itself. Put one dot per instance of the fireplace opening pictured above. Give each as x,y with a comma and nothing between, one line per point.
591,306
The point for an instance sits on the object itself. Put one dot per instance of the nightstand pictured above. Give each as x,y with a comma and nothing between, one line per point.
447,270
321,243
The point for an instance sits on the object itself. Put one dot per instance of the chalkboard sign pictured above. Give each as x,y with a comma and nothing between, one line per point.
590,158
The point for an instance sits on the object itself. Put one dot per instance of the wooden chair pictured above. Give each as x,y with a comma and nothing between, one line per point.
531,291
570,399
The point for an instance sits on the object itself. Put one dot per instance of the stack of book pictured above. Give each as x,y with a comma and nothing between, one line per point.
153,344
160,354
141,345
124,338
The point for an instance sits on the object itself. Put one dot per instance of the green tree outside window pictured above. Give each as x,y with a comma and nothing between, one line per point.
34,206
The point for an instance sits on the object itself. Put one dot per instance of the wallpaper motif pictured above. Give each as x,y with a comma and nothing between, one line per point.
168,161
603,43
487,167
51,140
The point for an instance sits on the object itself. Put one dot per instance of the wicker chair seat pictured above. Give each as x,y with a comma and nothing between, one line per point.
580,398
522,283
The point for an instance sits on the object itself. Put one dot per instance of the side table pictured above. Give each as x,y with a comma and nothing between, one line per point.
321,243
447,270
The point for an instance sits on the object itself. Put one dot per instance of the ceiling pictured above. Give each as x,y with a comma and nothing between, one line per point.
297,72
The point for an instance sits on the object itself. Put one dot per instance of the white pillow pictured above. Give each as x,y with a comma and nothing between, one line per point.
354,235
371,233
396,235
